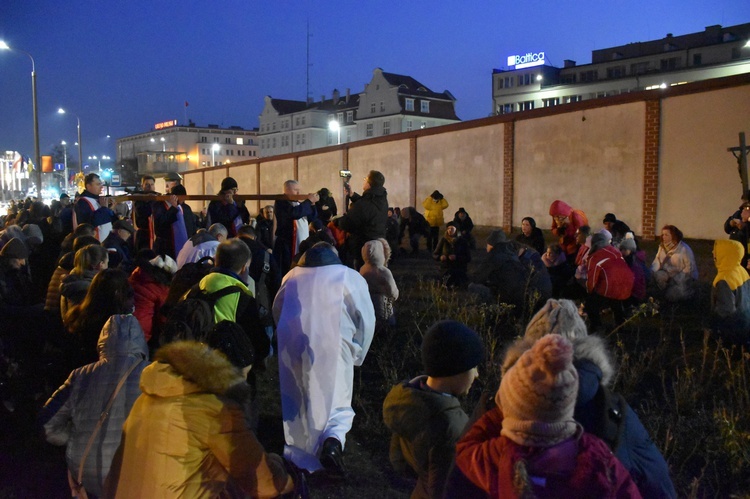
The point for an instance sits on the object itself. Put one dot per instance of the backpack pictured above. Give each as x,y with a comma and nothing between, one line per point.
188,276
610,410
192,318
262,294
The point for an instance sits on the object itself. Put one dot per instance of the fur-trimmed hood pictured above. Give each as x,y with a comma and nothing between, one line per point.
590,348
185,367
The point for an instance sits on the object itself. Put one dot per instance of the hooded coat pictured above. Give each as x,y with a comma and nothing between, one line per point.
433,210
591,358
325,324
609,274
186,437
425,427
567,232
383,289
730,295
366,219
71,414
73,290
151,288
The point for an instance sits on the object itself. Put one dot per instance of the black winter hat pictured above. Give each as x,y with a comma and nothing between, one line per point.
230,339
228,183
436,195
450,348
15,248
609,217
497,236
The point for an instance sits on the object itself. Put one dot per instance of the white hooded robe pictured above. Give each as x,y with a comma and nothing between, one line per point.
325,324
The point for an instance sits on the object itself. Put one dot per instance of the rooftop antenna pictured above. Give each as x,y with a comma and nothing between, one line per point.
308,96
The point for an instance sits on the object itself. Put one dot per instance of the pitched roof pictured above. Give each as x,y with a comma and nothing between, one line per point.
410,86
283,106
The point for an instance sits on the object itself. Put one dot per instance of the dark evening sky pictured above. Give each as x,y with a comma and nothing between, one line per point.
123,66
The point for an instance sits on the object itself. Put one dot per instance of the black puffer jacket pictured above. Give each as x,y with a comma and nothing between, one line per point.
366,219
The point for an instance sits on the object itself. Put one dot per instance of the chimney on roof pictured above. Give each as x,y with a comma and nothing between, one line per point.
335,96
669,35
322,99
567,63
348,93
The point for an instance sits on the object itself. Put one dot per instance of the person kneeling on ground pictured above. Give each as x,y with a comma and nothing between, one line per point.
425,414
730,295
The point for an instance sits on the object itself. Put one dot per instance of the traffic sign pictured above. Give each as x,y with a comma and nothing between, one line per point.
116,179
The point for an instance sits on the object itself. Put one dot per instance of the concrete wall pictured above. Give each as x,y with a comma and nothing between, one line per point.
592,160
699,186
603,155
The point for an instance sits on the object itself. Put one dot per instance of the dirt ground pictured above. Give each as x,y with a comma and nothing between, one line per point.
31,468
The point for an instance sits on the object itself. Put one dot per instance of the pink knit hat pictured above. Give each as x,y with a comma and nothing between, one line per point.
538,394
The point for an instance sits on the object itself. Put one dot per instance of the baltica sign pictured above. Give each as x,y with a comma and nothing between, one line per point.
526,61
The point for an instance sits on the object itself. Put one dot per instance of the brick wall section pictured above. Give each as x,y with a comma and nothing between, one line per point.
651,168
508,143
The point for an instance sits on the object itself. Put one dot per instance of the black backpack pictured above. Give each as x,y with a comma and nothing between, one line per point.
262,294
188,276
610,410
192,318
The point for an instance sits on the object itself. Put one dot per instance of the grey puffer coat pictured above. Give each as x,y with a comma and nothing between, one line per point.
382,286
70,416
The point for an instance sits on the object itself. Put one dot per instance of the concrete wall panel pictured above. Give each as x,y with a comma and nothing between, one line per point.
467,168
592,160
322,170
389,158
699,186
273,174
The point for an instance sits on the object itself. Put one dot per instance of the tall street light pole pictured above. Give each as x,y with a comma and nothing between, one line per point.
37,158
334,126
214,148
80,143
65,170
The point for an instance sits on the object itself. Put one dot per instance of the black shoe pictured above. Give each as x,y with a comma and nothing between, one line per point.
332,456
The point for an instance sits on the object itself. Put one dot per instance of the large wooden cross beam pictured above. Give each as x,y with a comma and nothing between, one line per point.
205,197
741,154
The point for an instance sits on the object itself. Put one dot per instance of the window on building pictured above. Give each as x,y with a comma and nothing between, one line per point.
386,128
409,104
274,143
589,76
340,117
203,163
227,140
424,106
204,138
423,125
216,140
409,125
373,108
526,105
304,119
382,106
273,126
238,141
616,72
349,116
696,59
551,102
296,121
509,108
639,68
508,82
669,64
369,130
500,83
348,135
568,78
303,138
296,139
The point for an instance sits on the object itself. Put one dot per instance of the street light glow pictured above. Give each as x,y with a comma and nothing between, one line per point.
3,45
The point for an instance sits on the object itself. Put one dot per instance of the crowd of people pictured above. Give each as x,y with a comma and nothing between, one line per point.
158,323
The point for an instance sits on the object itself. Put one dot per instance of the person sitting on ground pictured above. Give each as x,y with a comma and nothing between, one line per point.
382,286
730,295
530,445
89,260
609,282
434,205
636,260
202,244
565,221
674,271
620,428
463,223
556,263
454,256
414,221
391,232
71,416
531,235
425,415
616,227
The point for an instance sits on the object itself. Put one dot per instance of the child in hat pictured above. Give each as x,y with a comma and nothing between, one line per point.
425,414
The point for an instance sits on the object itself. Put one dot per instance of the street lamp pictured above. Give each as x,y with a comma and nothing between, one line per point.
214,149
80,143
65,168
334,126
37,158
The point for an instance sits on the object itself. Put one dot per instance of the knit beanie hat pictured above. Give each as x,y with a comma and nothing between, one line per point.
33,233
496,236
538,394
228,183
15,248
229,338
609,217
628,243
450,348
375,179
557,317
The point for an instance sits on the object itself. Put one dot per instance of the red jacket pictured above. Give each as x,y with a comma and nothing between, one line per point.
589,469
150,296
567,233
609,274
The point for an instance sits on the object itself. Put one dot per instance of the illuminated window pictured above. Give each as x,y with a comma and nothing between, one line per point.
238,141
340,117
349,116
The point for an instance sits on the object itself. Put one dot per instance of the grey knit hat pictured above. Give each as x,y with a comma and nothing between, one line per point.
557,317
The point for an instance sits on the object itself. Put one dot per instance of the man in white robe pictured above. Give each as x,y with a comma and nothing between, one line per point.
325,324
